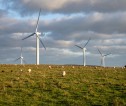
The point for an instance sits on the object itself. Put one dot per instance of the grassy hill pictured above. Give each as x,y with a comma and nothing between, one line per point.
44,86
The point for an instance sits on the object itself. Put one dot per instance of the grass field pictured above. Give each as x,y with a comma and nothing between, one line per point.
44,86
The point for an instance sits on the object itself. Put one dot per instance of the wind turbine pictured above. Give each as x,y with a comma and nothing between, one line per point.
84,51
21,58
103,57
37,39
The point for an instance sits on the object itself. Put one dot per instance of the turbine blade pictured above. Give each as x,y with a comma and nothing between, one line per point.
38,21
87,42
41,42
107,54
21,51
28,36
99,51
79,46
24,61
17,59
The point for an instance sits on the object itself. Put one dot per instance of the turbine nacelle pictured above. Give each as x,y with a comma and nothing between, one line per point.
84,49
22,57
38,33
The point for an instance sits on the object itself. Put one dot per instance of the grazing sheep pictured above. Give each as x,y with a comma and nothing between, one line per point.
50,67
73,67
29,70
64,73
95,67
21,70
62,66
123,67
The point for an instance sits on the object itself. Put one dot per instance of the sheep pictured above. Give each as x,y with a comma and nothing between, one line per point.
123,67
64,73
50,67
95,67
62,66
29,70
73,67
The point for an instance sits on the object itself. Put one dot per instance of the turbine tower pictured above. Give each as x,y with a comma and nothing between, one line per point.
37,39
84,51
103,57
21,58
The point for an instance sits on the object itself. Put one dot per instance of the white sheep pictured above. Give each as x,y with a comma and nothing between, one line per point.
50,67
95,67
62,66
29,70
64,73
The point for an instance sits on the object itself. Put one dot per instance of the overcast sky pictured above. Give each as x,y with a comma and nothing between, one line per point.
66,23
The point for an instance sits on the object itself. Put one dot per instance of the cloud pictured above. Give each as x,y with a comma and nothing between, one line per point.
3,13
65,6
95,22
68,22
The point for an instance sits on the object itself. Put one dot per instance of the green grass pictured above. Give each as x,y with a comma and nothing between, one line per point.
82,86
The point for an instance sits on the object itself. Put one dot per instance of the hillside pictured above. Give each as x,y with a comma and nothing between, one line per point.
45,86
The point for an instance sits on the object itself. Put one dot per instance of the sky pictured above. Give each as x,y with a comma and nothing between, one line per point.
64,24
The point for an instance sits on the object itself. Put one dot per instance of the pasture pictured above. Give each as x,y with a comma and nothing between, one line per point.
32,85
